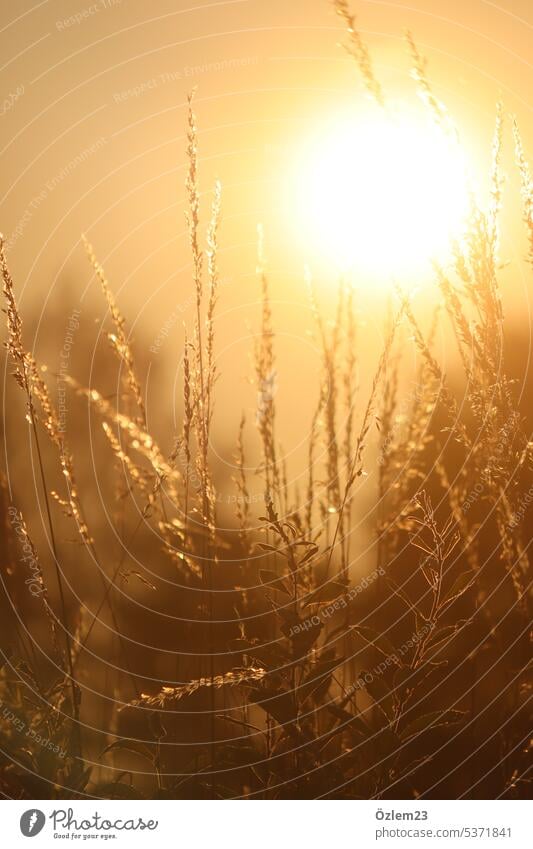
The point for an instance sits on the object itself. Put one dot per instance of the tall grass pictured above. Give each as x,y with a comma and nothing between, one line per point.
312,680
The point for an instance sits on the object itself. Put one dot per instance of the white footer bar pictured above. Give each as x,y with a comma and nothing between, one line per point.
267,825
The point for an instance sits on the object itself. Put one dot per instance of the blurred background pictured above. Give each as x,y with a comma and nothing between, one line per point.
93,141
94,122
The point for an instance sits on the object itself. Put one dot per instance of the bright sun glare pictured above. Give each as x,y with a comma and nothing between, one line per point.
383,195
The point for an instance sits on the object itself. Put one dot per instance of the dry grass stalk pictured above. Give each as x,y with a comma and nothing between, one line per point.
356,466
137,474
527,185
445,393
266,383
404,454
311,483
243,496
188,422
203,374
213,277
173,694
496,179
37,575
28,378
338,362
119,340
349,375
141,440
419,74
437,544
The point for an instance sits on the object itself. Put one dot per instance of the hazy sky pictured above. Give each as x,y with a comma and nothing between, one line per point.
93,140
99,88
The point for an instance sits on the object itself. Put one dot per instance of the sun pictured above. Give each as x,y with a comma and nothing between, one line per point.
382,194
